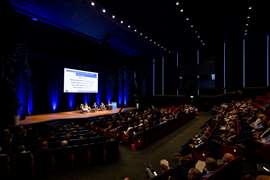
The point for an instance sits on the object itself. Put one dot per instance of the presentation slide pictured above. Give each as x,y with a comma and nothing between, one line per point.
77,81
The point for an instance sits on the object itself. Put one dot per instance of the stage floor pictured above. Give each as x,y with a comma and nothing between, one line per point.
65,115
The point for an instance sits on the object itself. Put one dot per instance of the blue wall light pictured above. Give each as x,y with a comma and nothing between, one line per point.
71,101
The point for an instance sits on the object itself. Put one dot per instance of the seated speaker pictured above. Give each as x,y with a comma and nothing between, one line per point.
102,106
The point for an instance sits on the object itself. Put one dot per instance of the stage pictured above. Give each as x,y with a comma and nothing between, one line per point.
66,115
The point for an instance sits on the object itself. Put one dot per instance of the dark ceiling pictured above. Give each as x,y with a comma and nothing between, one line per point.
213,19
209,23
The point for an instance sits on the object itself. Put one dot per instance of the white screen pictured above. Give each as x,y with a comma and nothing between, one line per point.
77,81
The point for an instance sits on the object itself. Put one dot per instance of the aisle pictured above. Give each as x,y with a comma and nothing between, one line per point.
132,163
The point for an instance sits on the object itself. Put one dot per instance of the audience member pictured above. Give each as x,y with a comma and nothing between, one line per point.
194,174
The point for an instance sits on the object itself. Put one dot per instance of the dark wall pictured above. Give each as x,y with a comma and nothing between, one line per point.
44,51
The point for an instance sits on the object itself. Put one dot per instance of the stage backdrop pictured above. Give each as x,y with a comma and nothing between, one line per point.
43,52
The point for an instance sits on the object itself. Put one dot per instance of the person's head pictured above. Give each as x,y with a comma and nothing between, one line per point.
228,157
126,178
164,165
263,177
194,174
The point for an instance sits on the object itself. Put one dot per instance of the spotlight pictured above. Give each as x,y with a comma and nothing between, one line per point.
121,22
135,30
187,19
145,37
182,10
198,36
246,30
150,40
192,26
113,16
128,26
104,10
141,34
93,3
248,17
250,7
177,3
246,24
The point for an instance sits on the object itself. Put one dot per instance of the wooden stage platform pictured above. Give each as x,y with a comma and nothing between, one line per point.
65,115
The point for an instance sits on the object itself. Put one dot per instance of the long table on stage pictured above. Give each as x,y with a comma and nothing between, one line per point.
65,115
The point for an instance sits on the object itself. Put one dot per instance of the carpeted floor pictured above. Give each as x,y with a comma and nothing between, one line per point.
132,163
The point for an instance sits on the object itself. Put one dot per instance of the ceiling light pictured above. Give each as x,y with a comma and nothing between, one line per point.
34,19
203,44
247,24
104,10
121,22
246,30
113,16
128,26
150,40
141,34
248,17
181,10
135,30
154,42
266,169
199,36
92,3
250,7
187,19
177,3
192,26
145,37
245,33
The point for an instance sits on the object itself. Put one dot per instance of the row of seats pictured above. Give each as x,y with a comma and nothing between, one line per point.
224,147
35,149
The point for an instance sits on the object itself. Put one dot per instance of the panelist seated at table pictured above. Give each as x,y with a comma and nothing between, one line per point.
85,108
94,107
102,106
